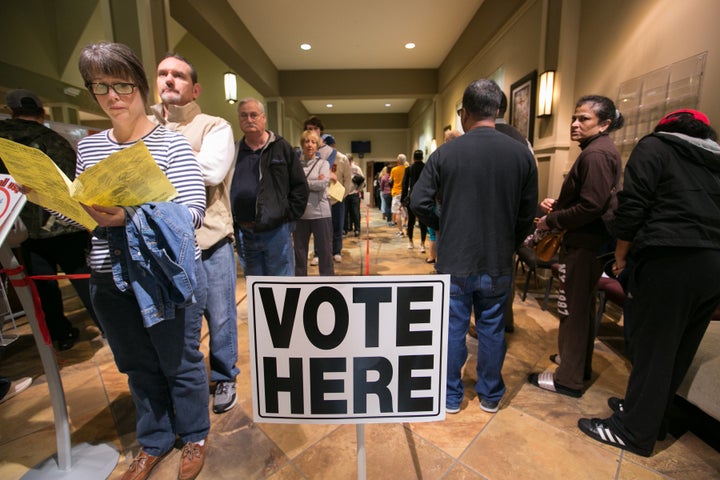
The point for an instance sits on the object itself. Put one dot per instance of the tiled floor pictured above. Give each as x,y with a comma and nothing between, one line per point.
533,436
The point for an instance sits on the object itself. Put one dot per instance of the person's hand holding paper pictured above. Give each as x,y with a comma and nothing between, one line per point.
125,178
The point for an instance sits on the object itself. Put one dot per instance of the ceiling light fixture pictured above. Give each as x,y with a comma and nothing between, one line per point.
388,105
329,105
410,45
305,46
71,91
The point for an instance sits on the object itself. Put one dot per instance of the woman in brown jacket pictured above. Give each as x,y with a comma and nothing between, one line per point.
586,195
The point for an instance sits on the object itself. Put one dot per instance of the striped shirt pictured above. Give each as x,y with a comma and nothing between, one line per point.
173,154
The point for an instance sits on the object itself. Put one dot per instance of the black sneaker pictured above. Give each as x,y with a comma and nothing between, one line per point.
488,406
225,397
68,340
601,431
616,404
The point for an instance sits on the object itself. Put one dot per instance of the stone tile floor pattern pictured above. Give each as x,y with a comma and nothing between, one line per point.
532,436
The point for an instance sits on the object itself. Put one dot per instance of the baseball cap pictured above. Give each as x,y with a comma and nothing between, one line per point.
672,116
23,102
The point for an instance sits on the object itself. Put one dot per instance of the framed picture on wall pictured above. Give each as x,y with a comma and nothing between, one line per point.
522,104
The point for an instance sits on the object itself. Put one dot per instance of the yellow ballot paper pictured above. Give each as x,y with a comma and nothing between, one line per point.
50,187
125,178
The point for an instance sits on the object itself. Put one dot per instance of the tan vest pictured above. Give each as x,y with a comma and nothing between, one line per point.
193,124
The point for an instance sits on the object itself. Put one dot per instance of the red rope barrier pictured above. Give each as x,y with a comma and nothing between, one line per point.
28,281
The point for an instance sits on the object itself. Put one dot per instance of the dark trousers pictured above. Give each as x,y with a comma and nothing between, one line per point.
352,213
671,300
337,211
580,271
321,230
411,226
42,257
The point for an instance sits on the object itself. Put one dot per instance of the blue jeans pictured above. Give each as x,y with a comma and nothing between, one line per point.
337,210
387,206
221,312
267,253
165,368
488,296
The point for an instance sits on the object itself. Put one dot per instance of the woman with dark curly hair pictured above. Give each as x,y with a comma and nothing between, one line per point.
586,196
668,218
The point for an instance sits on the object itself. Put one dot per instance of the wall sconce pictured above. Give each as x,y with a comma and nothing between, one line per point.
545,93
230,87
433,145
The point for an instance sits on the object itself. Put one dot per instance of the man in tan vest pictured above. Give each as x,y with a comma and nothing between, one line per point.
212,140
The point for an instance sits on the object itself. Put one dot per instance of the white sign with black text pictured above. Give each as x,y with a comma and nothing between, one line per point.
348,349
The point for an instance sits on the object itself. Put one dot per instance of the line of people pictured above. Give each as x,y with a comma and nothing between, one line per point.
479,190
666,222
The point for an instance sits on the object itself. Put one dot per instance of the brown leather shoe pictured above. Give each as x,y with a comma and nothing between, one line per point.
191,460
141,466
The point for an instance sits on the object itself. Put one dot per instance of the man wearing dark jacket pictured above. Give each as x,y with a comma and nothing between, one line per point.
50,242
412,173
268,193
486,183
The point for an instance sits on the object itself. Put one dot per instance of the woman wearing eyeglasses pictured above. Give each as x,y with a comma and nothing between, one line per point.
154,338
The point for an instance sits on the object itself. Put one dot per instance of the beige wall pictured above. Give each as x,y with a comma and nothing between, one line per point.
627,41
601,45
514,52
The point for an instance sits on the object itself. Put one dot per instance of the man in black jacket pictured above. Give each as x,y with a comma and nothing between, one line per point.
268,193
412,173
50,242
486,183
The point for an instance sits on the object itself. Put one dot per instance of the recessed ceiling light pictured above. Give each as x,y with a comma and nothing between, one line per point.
410,46
388,105
329,105
305,46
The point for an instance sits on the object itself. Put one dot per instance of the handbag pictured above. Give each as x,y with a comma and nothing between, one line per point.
547,243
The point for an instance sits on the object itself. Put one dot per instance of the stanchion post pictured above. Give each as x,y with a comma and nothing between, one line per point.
47,357
362,469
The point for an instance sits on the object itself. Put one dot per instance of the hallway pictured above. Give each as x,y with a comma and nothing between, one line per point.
533,435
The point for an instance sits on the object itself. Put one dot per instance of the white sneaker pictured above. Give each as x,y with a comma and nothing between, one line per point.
422,248
314,261
337,258
410,246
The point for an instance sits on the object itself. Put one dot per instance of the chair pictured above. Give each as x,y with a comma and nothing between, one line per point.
554,273
526,258
608,289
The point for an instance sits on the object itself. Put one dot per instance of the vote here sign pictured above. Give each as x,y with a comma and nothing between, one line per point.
348,349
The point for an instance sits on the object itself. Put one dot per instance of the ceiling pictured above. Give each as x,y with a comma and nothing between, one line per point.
354,35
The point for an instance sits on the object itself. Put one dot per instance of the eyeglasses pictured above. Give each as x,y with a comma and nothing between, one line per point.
251,115
459,111
104,88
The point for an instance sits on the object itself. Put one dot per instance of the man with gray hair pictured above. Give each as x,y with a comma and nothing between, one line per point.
268,193
486,183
